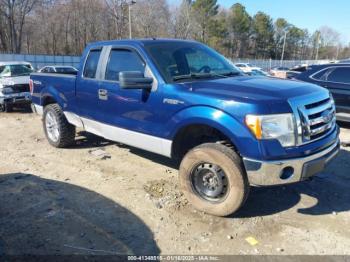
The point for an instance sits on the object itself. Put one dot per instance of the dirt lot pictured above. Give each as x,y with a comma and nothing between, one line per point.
75,201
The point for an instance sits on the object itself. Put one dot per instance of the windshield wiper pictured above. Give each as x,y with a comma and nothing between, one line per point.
229,74
193,75
205,75
232,73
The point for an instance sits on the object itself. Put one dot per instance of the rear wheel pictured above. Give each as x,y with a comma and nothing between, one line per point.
213,179
58,131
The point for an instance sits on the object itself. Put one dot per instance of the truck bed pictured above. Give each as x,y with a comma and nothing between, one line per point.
63,85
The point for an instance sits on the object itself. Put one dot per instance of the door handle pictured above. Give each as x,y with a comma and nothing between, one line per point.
103,94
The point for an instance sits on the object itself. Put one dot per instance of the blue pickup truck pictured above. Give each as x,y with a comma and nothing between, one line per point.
185,101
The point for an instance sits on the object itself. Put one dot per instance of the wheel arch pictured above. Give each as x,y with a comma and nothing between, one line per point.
204,119
50,95
193,134
48,99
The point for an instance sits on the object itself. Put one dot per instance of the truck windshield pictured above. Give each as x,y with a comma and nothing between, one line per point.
181,61
14,70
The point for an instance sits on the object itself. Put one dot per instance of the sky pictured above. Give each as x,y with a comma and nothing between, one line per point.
309,14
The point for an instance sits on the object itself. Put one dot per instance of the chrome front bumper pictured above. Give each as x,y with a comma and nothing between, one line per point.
267,173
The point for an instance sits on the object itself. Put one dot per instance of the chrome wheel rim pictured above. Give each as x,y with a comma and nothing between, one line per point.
210,182
52,126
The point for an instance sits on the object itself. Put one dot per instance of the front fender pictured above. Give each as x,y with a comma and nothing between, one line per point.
239,135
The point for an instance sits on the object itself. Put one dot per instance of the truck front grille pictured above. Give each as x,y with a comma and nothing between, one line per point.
315,116
319,119
19,88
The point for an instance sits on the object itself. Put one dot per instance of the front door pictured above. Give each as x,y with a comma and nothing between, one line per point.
130,116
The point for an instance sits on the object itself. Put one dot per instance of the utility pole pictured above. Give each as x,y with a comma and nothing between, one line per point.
132,2
318,45
284,47
338,49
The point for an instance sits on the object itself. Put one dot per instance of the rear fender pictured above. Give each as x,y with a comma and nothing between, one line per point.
50,93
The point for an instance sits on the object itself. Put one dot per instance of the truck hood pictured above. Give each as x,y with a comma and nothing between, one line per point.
9,81
258,89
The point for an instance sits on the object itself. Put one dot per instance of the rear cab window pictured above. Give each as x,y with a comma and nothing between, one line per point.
91,63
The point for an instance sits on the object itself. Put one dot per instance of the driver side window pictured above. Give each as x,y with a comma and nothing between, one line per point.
123,60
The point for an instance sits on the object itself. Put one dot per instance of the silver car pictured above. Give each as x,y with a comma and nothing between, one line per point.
14,84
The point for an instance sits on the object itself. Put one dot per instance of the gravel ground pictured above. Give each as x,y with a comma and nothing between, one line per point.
100,197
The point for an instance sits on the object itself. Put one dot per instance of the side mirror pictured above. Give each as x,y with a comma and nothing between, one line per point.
134,80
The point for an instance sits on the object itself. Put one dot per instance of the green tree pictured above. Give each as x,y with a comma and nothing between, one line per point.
239,26
263,32
218,33
204,12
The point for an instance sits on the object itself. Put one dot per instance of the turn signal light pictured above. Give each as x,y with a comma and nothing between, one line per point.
254,124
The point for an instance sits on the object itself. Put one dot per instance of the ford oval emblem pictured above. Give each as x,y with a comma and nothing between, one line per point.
327,116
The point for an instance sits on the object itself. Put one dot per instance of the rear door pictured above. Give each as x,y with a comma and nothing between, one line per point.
88,86
338,82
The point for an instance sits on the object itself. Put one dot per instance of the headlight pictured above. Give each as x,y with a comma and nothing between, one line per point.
7,90
280,127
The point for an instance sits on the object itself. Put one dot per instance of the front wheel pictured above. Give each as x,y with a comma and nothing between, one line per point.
213,179
58,131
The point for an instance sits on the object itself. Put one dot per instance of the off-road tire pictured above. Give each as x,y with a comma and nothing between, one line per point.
231,163
66,130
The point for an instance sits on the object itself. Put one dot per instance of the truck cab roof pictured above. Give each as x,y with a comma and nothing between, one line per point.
141,41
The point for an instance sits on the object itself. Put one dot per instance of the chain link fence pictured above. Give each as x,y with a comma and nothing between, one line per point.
38,61
269,63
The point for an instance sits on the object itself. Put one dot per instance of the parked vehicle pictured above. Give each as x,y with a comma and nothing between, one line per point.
183,100
257,72
295,71
280,72
59,70
246,67
336,78
300,68
14,84
344,61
